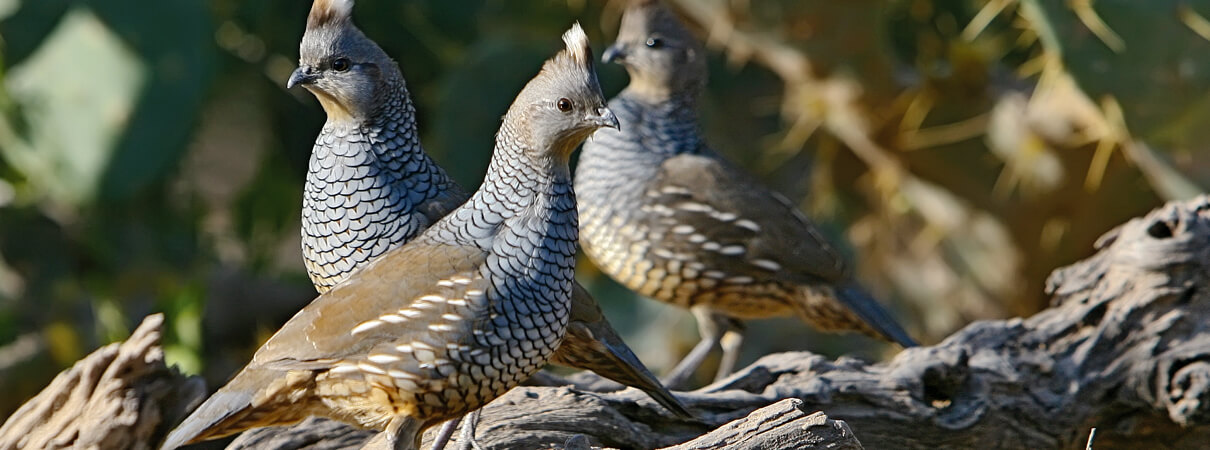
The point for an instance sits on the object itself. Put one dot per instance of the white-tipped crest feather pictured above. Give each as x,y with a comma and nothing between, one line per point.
577,44
571,64
329,11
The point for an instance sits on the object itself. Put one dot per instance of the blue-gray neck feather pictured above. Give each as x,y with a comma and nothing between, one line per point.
524,215
370,187
650,133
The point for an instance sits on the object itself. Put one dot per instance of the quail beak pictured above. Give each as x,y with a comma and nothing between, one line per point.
606,119
302,76
614,53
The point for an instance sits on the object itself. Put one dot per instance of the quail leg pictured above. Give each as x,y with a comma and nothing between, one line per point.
711,326
466,439
402,433
731,342
443,436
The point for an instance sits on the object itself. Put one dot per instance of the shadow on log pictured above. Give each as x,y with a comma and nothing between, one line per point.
1124,347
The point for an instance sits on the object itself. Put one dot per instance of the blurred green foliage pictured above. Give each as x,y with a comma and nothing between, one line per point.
1146,55
152,160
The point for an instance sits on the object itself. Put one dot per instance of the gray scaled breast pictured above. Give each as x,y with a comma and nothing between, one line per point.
370,187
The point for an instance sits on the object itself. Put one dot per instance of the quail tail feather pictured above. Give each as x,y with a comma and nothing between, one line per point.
874,315
625,368
596,346
228,411
592,344
199,426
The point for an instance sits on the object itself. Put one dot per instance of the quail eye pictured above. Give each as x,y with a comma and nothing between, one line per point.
655,42
341,64
564,105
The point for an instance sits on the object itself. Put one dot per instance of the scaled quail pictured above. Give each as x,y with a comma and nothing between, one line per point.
473,306
371,187
671,219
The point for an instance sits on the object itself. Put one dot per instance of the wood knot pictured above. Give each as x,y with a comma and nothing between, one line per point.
947,386
1189,393
1160,229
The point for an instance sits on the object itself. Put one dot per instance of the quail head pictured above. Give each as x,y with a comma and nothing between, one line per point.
661,56
346,71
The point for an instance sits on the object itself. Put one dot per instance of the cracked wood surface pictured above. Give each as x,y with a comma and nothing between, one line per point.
121,396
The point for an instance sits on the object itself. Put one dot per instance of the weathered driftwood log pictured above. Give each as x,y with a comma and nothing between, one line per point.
781,425
1125,348
785,424
122,396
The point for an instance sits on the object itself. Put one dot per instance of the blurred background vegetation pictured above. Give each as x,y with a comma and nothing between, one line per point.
152,160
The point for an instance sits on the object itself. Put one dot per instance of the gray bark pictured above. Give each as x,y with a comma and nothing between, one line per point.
1125,348
781,425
